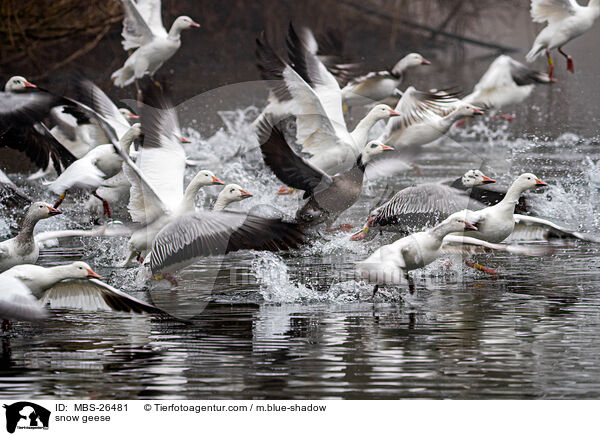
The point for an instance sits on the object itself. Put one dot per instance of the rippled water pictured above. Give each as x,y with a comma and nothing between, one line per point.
298,325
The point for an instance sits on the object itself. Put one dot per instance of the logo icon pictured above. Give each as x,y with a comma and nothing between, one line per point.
26,415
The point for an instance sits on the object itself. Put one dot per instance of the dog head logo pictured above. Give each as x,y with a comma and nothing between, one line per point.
26,415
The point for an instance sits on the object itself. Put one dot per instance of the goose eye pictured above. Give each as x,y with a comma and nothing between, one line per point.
374,145
231,190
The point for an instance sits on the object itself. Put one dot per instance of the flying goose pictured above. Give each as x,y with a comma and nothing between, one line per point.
143,31
25,290
566,21
425,205
23,111
23,248
505,82
309,91
379,85
328,196
96,166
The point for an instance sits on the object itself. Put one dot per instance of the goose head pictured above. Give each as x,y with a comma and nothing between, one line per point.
475,178
382,112
134,133
184,22
40,210
18,83
457,222
80,270
527,181
466,110
231,193
372,149
206,178
409,61
128,115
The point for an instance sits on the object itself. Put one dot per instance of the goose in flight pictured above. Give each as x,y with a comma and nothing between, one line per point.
310,92
26,289
23,112
377,86
566,21
505,82
143,31
23,248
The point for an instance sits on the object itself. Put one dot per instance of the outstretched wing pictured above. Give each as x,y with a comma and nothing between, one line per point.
94,294
17,302
209,233
288,166
136,26
552,10
552,228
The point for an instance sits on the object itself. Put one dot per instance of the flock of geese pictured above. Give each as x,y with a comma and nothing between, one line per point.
137,156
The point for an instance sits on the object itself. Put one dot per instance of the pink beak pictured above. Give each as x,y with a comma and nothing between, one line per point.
386,147
538,182
393,113
53,211
134,116
194,24
486,179
216,181
425,62
245,194
478,112
92,274
184,140
30,85
469,226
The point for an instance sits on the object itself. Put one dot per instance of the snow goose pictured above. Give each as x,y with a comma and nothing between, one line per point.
496,223
566,20
505,82
23,248
10,194
425,205
425,117
328,196
22,116
143,31
311,93
379,85
74,285
96,166
229,194
391,263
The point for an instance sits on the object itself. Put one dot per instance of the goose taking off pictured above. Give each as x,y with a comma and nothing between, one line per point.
23,111
390,264
99,164
328,196
312,94
143,31
566,21
377,86
425,117
23,248
505,82
26,289
425,205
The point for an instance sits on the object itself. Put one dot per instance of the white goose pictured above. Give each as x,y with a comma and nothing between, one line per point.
313,95
505,82
96,166
390,264
143,30
377,86
425,117
26,289
496,223
23,248
566,21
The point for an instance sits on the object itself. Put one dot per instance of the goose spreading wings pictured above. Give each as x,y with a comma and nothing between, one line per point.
23,111
143,31
505,82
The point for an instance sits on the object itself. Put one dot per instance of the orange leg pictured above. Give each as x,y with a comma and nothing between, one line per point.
570,65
